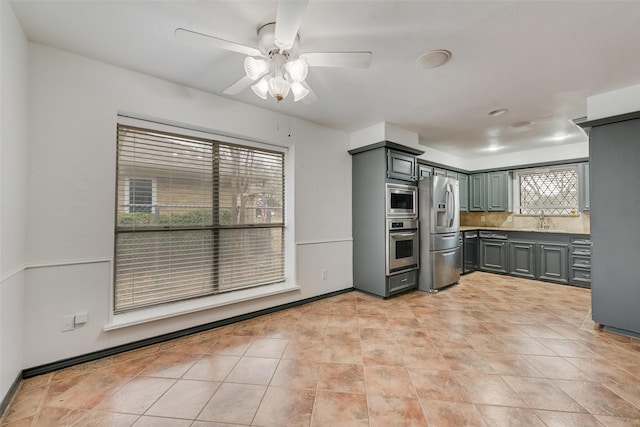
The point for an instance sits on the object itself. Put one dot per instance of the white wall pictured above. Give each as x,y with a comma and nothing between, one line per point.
13,192
73,105
621,101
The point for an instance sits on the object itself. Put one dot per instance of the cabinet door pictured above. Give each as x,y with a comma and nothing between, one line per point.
522,256
439,172
493,255
497,184
553,262
424,171
401,166
464,192
477,196
452,174
583,187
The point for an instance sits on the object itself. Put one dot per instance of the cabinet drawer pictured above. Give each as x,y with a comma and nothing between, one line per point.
402,281
580,277
581,261
580,251
581,241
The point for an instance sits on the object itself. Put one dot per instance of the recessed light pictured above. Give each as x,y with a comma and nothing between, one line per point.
559,137
434,58
498,112
521,124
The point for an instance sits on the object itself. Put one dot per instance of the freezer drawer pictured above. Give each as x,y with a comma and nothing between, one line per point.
445,241
445,267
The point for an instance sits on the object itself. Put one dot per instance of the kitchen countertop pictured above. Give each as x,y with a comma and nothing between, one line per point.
528,230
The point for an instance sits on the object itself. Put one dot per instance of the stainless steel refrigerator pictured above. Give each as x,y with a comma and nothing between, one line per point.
439,215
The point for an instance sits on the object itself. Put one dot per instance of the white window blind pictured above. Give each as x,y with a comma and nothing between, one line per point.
214,224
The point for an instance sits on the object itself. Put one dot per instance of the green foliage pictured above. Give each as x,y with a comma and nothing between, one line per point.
192,217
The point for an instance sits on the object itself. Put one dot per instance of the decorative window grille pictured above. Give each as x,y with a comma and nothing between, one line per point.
552,190
206,218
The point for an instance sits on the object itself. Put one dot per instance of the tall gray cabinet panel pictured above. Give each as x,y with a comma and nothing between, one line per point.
368,205
477,192
372,167
464,191
614,156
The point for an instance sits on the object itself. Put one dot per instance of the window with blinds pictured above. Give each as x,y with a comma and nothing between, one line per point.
195,217
552,190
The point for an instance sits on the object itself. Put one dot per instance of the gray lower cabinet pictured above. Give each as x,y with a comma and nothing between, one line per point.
553,262
580,268
493,255
522,259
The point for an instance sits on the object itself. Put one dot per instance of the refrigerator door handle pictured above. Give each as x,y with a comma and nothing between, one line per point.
449,201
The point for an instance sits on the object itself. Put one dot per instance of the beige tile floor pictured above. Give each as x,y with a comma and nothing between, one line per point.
490,351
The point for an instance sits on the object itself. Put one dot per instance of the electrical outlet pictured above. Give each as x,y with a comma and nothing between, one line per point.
323,274
482,218
68,323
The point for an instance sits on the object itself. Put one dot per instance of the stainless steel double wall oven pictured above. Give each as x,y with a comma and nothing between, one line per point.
402,238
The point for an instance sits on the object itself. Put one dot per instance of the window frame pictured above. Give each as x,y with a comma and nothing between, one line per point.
154,312
127,192
517,193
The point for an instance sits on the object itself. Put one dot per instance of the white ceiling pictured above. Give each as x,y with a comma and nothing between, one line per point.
539,59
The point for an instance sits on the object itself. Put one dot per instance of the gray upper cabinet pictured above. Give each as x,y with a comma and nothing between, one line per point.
452,174
497,191
477,192
464,192
439,172
401,166
424,171
583,187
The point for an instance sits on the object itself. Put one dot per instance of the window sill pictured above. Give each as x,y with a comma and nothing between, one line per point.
165,311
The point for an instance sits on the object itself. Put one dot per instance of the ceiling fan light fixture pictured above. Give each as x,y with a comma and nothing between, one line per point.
297,70
278,88
255,68
299,91
261,88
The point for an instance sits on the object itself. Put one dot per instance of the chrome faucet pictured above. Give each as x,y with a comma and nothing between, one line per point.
543,224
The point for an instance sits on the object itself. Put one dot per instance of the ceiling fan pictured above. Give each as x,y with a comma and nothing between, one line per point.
275,67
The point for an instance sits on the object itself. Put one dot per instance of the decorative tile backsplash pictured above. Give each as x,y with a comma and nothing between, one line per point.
570,224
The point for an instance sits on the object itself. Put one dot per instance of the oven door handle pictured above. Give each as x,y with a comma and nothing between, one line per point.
395,236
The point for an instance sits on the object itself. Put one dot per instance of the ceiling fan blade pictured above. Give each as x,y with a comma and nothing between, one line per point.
288,19
206,41
311,96
238,86
338,59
